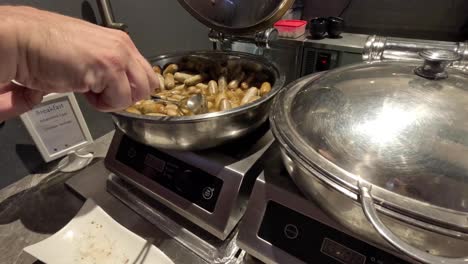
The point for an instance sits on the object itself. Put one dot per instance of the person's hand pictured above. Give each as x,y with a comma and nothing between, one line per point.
55,53
15,100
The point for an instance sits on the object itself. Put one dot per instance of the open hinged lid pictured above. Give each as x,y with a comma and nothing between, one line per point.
238,17
398,126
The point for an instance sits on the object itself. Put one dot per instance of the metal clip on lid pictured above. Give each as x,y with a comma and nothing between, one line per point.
107,15
261,39
435,63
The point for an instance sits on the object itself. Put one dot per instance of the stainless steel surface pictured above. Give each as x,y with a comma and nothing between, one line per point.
380,123
348,42
237,174
206,130
287,55
435,63
197,104
380,48
371,213
344,207
275,185
237,17
107,16
262,39
405,134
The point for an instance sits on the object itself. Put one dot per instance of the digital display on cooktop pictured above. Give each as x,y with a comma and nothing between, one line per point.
314,242
187,181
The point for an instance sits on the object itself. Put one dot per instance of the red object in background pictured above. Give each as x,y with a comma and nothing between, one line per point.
291,23
291,28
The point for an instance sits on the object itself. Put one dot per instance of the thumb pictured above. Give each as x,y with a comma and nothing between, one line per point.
15,100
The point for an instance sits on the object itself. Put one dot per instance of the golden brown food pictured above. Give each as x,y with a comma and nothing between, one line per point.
249,95
161,81
194,80
224,88
222,84
169,82
265,88
225,104
212,87
133,110
182,76
157,69
171,68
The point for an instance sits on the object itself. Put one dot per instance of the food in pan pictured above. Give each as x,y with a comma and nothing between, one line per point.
223,86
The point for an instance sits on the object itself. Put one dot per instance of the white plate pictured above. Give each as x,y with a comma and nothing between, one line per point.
93,237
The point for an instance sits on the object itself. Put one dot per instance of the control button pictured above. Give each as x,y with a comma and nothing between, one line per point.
208,193
291,231
131,153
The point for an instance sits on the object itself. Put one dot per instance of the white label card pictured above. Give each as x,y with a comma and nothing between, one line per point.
57,126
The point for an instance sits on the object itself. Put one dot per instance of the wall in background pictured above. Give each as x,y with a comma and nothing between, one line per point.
156,27
425,19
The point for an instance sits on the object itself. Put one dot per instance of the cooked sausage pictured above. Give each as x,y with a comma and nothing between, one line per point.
179,87
192,90
244,85
157,69
172,112
240,93
171,68
150,106
161,82
212,87
234,84
169,82
171,107
133,110
202,86
210,105
254,98
253,91
194,80
177,97
265,88
219,97
225,105
182,76
177,91
222,84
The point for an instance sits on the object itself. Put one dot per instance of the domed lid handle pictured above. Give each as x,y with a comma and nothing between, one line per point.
435,62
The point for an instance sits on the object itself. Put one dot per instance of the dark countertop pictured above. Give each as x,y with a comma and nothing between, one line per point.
39,205
36,207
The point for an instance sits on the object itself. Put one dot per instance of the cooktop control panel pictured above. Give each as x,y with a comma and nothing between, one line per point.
187,181
314,242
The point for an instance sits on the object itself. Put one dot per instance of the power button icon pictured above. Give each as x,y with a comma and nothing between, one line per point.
208,193
291,231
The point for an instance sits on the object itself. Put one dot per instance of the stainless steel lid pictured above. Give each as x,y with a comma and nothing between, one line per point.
401,127
239,16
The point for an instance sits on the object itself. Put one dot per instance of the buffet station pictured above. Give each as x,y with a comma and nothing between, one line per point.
281,146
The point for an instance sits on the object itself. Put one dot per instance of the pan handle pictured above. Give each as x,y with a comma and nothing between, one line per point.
107,16
371,214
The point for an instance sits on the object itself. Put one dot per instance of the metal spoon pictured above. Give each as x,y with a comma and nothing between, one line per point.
195,103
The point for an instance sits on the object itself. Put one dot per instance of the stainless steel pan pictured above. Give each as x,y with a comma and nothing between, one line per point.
206,130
